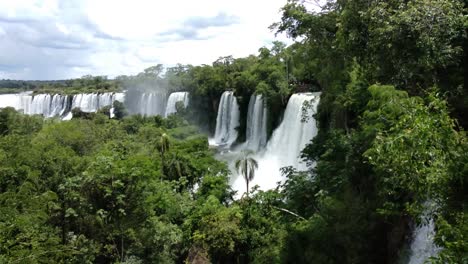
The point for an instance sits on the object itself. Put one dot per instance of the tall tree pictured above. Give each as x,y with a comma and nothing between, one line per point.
246,166
164,145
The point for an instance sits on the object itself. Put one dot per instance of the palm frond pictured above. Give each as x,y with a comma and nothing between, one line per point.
246,166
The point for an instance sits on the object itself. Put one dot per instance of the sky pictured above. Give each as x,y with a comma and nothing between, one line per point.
53,39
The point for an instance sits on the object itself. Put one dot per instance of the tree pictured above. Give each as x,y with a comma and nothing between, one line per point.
119,110
246,166
154,71
164,145
414,144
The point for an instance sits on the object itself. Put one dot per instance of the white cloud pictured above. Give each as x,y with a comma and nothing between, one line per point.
55,39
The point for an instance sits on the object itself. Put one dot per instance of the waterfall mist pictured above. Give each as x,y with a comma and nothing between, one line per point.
286,143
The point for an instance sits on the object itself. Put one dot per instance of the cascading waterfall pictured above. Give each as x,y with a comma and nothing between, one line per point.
256,132
42,104
54,105
227,120
146,103
287,141
422,244
92,102
117,97
173,99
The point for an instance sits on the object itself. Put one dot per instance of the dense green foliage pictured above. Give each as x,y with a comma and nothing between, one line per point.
392,115
130,190
383,151
99,190
14,86
85,84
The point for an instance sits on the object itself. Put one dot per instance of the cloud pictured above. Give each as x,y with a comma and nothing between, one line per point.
52,39
192,27
220,20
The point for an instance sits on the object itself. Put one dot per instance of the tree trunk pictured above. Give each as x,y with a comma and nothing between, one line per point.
64,221
122,245
247,183
162,167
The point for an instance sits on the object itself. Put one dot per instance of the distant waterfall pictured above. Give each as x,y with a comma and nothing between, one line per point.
92,102
56,105
256,132
227,120
146,103
287,141
43,104
173,99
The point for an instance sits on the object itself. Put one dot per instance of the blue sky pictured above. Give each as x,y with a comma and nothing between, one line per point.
54,39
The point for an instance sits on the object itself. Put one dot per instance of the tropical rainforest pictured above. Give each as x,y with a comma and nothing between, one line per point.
391,152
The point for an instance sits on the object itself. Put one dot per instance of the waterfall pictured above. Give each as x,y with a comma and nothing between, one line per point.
422,244
119,97
58,105
287,141
92,102
227,120
146,103
55,105
256,132
44,104
173,99
48,105
18,101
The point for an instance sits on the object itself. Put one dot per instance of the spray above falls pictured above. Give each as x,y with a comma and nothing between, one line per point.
173,99
227,120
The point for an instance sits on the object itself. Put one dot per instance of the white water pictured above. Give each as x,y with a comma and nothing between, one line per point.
92,102
285,145
117,97
227,120
422,245
56,105
149,104
173,99
256,132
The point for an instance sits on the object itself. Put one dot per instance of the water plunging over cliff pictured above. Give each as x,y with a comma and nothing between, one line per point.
147,103
57,105
173,99
287,141
256,132
422,245
227,120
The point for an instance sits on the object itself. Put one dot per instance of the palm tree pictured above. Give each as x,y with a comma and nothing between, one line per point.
246,166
